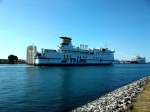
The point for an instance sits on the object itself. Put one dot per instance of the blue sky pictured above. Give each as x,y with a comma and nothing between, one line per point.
123,25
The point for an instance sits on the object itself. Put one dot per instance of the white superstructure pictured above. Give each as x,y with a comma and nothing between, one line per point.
67,54
140,60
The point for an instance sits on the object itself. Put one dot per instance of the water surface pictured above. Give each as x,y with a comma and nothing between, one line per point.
56,89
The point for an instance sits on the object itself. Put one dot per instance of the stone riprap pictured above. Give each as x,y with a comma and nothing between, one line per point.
119,100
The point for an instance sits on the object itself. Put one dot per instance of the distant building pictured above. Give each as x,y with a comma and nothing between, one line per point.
117,62
31,51
125,62
21,61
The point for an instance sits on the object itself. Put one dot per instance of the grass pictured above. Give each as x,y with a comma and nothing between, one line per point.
142,103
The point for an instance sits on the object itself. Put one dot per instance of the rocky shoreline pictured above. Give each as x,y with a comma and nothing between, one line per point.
119,100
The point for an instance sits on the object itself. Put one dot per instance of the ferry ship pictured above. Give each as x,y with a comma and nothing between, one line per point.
69,55
139,60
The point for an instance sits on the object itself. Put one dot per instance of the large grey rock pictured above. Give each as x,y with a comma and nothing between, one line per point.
119,100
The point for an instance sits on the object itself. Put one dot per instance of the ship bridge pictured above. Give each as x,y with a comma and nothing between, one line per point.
66,43
65,40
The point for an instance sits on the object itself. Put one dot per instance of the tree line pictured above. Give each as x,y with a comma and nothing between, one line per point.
12,59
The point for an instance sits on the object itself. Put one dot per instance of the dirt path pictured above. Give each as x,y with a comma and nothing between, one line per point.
143,100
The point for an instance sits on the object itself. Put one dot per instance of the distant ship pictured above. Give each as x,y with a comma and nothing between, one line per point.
68,55
139,60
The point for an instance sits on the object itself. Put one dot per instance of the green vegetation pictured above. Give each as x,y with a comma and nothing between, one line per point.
12,59
142,103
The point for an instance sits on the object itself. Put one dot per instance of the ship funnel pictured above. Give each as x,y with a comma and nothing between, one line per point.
66,41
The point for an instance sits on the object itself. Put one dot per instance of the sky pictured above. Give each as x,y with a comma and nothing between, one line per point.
121,25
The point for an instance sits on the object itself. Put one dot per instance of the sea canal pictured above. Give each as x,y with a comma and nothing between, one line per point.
26,88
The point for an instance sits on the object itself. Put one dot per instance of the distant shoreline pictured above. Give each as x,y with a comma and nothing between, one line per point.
6,61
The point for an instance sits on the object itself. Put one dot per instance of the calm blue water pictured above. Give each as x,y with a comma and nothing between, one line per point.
57,89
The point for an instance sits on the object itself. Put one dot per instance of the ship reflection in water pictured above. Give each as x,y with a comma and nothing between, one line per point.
56,89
